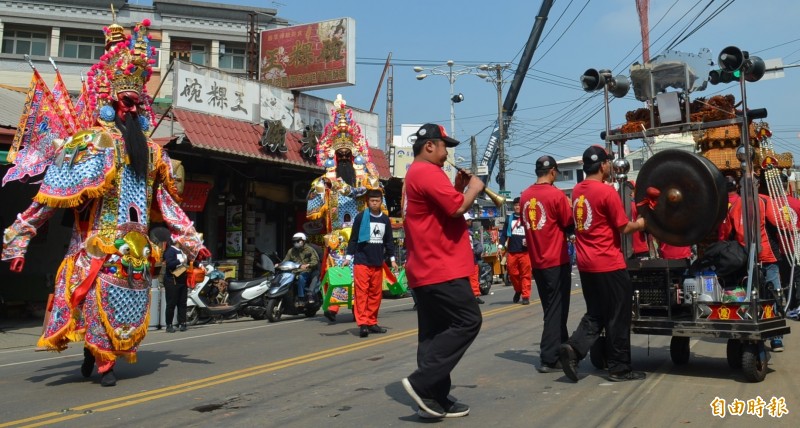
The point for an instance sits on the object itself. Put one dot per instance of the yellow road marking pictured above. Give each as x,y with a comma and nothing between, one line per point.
145,396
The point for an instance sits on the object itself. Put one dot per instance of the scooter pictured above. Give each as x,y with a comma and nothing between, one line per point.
216,298
282,295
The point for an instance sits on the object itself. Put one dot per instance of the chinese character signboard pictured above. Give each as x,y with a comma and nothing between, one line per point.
210,91
318,55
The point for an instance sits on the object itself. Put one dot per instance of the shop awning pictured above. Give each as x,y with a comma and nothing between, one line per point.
195,194
241,138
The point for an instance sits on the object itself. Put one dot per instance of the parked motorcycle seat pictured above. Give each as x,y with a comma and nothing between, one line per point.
241,285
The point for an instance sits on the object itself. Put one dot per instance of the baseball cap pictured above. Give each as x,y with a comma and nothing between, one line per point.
430,131
545,163
595,154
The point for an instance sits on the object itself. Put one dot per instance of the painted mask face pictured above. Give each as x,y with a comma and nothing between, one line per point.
128,102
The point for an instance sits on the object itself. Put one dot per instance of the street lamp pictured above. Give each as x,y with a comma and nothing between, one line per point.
497,80
451,72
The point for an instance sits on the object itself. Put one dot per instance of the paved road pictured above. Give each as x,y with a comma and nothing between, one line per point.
305,372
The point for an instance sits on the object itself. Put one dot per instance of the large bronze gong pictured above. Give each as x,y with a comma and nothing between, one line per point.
684,197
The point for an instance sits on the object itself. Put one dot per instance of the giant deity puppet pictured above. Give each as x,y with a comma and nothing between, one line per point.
114,180
338,195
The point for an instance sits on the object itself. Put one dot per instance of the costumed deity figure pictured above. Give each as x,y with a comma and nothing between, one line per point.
114,180
337,196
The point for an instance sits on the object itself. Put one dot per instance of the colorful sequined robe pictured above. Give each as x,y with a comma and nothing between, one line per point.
102,288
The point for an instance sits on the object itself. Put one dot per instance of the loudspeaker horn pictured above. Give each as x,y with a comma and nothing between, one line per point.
754,69
731,59
592,80
619,86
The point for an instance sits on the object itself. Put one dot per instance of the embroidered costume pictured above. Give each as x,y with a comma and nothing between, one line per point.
102,288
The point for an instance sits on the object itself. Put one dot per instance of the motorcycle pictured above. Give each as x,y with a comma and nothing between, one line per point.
214,297
282,295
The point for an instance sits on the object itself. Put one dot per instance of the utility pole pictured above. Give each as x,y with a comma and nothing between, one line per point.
473,148
497,79
501,153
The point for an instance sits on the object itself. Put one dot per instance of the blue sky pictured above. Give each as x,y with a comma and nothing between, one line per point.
554,115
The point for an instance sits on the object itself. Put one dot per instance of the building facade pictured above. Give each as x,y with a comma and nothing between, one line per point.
245,187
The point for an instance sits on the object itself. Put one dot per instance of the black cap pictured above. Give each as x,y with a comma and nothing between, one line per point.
595,154
545,163
430,131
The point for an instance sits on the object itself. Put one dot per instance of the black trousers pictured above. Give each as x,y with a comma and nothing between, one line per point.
449,321
553,285
176,298
608,298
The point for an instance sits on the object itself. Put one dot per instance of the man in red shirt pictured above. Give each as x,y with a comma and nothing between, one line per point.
599,220
547,217
438,267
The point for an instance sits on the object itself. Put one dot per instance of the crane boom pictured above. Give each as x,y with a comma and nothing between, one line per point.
509,105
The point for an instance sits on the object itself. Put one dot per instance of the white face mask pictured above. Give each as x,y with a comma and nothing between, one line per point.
298,244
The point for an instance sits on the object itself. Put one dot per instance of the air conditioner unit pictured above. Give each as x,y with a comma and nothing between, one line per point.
300,191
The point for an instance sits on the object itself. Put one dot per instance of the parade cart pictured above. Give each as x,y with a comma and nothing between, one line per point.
683,197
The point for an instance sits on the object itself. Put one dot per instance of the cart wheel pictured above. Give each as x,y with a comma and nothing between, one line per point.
754,364
679,350
597,354
734,353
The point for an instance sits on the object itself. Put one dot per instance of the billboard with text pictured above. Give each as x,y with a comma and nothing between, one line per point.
309,56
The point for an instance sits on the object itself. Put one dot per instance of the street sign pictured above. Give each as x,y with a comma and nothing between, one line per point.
774,69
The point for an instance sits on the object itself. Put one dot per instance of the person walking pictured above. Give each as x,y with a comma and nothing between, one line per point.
518,262
175,288
438,267
547,217
477,250
599,220
370,243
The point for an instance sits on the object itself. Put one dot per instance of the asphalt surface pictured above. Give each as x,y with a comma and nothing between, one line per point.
304,372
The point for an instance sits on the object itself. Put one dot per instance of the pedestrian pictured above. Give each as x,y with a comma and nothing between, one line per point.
518,262
768,247
548,227
370,243
477,250
438,267
599,220
175,287
307,258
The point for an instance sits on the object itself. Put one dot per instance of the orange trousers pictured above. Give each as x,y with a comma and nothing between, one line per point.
369,293
519,271
474,281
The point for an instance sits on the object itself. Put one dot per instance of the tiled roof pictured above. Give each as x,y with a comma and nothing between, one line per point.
12,100
241,138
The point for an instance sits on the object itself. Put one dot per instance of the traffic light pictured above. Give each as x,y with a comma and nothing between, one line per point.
735,63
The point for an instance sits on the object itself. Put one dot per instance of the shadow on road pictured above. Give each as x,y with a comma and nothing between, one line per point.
148,362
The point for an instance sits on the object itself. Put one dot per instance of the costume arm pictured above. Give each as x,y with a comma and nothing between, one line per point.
17,236
184,234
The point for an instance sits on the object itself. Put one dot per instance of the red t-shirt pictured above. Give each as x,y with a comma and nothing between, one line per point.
674,253
437,243
734,220
546,213
598,213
